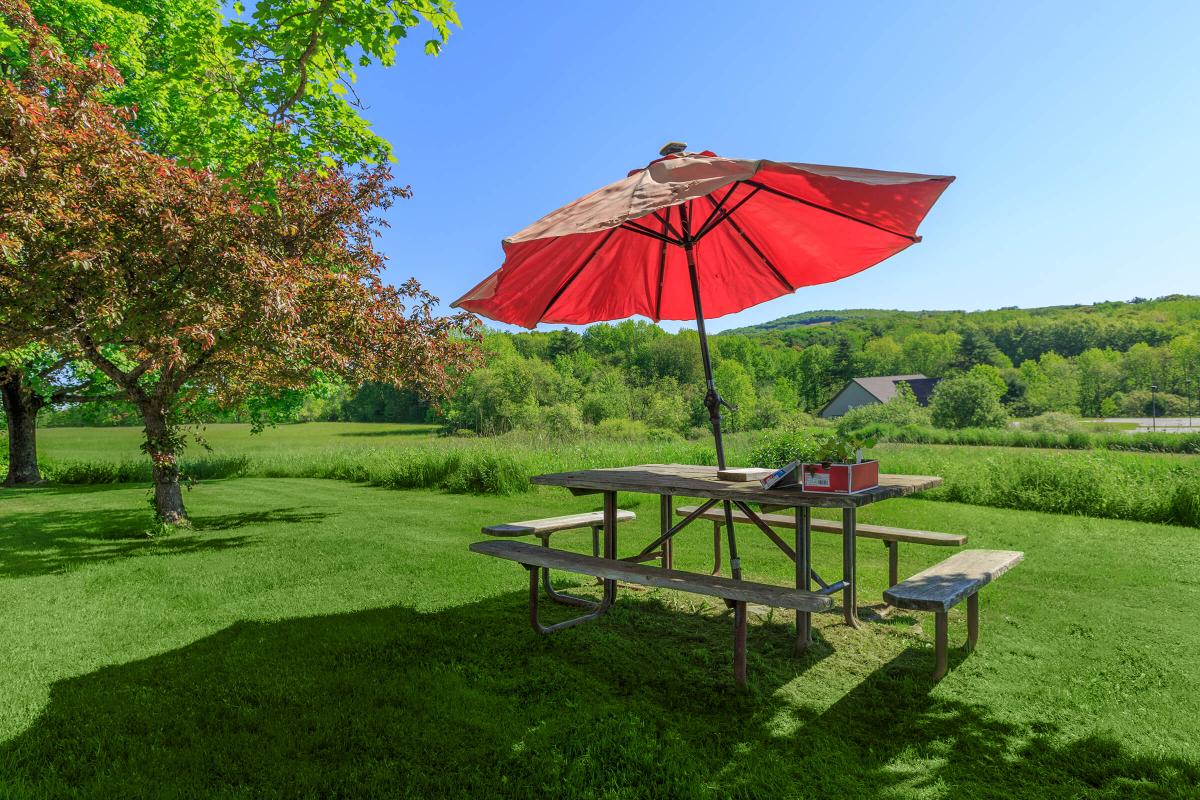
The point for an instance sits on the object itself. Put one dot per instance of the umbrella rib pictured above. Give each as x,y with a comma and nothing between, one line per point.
666,221
662,267
778,275
708,223
576,273
726,214
833,211
643,230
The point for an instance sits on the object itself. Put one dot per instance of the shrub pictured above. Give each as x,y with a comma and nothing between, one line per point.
1185,502
1052,422
562,419
486,473
903,409
1143,403
967,401
778,448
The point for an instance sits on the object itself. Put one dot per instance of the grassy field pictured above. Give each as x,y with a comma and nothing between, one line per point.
1147,487
318,638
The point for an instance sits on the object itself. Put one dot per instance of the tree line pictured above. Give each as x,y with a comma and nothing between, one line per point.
1098,360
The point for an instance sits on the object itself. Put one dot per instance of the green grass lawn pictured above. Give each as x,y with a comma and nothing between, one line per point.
318,638
118,444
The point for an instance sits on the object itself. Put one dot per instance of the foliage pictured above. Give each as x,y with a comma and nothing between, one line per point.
270,89
1081,439
1143,403
180,287
968,401
1053,422
779,448
838,448
1087,359
901,409
1092,483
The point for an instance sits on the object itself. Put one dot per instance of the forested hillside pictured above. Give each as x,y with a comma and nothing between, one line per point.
633,377
1091,360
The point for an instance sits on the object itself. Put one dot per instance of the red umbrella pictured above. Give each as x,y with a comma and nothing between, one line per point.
694,233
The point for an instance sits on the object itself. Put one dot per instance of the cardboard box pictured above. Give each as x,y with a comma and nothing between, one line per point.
839,478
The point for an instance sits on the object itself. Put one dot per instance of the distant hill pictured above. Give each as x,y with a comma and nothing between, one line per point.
1172,309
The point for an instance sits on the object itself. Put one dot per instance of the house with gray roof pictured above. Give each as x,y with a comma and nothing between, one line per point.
879,389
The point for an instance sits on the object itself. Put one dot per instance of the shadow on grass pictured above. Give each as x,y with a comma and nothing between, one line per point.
43,543
467,702
49,489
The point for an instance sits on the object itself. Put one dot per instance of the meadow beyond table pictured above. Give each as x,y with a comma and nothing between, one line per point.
684,480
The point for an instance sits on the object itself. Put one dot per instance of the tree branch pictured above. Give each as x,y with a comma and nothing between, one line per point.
314,39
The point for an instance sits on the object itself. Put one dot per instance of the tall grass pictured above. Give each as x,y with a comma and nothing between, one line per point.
1017,437
1094,483
1100,483
501,465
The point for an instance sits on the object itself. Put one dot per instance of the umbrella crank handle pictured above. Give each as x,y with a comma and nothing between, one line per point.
713,401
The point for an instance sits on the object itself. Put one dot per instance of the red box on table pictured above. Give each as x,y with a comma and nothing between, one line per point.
839,478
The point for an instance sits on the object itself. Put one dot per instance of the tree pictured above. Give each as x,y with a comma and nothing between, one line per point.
883,356
1099,374
271,89
1051,384
734,383
180,286
968,401
815,367
32,378
930,353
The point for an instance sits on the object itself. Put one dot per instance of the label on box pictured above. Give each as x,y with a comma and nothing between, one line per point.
816,479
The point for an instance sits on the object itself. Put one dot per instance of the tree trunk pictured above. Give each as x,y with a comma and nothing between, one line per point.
161,447
21,406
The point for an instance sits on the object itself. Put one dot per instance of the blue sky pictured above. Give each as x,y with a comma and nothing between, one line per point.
1072,128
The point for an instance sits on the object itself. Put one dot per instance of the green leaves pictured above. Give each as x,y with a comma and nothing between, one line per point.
9,40
260,95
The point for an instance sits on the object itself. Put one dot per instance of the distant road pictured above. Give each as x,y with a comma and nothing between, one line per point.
1167,424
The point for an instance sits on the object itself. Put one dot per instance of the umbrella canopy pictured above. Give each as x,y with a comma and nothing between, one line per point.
756,230
693,234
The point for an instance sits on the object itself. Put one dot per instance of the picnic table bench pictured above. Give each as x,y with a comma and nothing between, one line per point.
944,585
544,528
737,592
891,537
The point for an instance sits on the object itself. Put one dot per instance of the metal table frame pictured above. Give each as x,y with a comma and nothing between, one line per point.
671,480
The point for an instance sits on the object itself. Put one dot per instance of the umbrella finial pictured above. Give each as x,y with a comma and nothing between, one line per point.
671,148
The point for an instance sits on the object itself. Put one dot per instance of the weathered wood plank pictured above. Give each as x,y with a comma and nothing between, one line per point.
944,585
608,569
700,481
862,530
553,524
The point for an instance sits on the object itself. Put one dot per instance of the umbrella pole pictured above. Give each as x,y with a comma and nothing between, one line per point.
712,400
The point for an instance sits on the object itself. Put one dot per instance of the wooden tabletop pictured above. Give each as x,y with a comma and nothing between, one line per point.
696,481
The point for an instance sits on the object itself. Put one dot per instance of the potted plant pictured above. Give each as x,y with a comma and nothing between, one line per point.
831,463
839,467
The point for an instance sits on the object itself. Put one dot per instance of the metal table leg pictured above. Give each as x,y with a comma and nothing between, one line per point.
665,511
849,592
803,573
565,598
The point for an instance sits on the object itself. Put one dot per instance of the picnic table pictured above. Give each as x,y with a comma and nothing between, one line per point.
683,480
